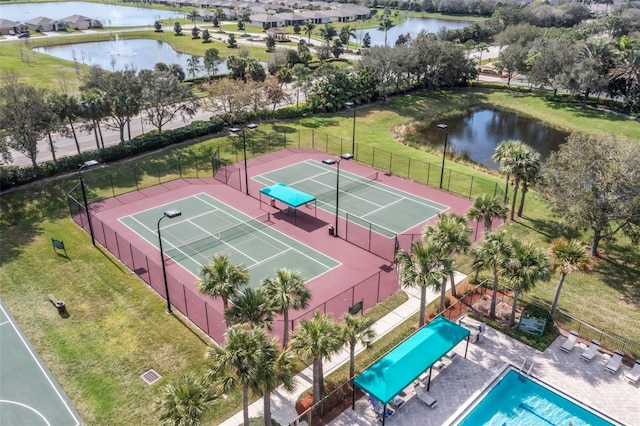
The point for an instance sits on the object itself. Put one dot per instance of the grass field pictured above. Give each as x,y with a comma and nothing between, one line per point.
118,327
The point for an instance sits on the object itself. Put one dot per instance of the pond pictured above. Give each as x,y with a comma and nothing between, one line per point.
110,15
116,55
479,132
412,26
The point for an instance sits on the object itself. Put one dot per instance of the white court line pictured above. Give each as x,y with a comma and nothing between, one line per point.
275,239
40,366
225,243
6,322
28,407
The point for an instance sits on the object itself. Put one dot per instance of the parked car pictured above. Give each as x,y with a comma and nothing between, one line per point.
24,35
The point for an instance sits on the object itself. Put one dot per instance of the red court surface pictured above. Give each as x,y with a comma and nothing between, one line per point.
333,291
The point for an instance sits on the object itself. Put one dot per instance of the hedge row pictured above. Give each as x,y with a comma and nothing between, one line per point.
12,176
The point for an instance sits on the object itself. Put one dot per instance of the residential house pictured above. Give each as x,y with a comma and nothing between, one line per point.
43,24
79,22
8,27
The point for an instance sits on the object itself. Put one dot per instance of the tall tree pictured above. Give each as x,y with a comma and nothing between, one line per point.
193,65
356,330
309,26
568,256
276,368
451,234
185,401
526,266
529,173
346,34
67,108
422,268
193,15
328,32
485,209
591,182
491,253
315,340
212,61
385,23
218,16
177,29
23,115
287,290
93,108
251,307
503,155
238,363
245,18
223,278
164,98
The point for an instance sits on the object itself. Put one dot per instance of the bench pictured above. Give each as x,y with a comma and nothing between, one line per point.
477,328
59,304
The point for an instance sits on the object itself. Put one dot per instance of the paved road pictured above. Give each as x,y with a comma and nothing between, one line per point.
67,147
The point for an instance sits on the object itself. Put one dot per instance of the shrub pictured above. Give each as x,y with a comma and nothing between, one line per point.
15,176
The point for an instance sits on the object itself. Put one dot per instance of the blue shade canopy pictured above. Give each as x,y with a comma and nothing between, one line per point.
396,370
288,195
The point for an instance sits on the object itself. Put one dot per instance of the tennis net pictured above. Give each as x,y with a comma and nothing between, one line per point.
347,184
195,247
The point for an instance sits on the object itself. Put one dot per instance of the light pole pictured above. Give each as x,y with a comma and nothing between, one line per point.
347,156
237,130
353,137
444,150
170,214
87,164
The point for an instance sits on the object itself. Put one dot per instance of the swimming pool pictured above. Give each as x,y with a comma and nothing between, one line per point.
514,400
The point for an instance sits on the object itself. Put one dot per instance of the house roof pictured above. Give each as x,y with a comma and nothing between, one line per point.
5,23
41,20
75,18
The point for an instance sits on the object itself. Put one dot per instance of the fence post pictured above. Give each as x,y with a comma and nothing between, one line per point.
197,176
428,173
113,189
449,181
158,171
326,143
409,169
313,139
373,157
284,134
471,187
298,139
495,190
378,291
391,163
180,165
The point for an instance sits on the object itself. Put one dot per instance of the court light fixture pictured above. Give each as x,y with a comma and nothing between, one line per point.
86,165
239,131
444,150
331,161
173,213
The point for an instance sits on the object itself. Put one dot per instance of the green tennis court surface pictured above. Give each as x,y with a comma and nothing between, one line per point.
209,227
29,395
390,209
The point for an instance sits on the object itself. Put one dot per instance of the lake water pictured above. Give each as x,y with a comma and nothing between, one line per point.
479,132
412,26
119,54
109,15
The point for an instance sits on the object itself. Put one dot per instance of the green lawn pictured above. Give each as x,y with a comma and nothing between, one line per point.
118,327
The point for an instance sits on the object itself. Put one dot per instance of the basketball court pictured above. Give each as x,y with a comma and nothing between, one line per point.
29,394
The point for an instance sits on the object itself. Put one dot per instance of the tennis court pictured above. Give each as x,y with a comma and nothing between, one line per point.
29,395
391,210
208,227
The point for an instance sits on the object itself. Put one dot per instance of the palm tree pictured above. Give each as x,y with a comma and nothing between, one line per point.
328,32
219,16
422,268
356,330
503,155
315,340
385,24
491,253
276,369
287,290
184,402
223,279
238,363
252,307
451,234
308,29
485,209
346,33
527,265
529,174
569,256
193,15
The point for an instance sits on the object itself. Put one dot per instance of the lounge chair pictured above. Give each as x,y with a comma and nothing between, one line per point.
614,363
378,408
570,343
427,399
633,376
591,351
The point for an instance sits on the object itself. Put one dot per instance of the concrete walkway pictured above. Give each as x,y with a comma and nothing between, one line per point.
283,402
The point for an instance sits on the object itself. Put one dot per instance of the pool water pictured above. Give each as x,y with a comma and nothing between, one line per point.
519,401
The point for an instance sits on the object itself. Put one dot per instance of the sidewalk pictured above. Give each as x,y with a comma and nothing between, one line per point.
283,403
